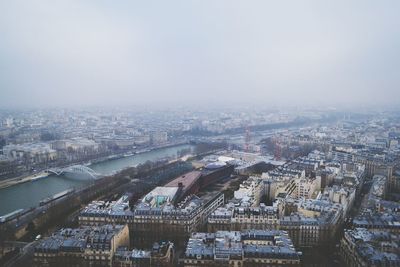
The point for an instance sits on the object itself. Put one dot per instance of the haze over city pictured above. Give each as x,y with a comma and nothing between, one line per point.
199,133
86,53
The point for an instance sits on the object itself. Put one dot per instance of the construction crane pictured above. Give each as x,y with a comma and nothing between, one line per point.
277,149
247,139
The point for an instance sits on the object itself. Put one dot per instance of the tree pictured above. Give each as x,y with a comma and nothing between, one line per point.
30,227
207,147
2,142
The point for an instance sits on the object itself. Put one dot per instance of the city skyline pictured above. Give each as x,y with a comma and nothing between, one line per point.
199,133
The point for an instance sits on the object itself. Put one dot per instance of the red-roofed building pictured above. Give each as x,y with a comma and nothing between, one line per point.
189,183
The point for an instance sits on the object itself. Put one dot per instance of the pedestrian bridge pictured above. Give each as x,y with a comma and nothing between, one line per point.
77,171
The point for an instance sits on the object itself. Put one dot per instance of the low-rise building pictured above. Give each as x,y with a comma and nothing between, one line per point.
247,248
345,196
85,246
159,137
161,255
249,192
157,217
361,247
310,222
33,153
102,212
378,221
240,218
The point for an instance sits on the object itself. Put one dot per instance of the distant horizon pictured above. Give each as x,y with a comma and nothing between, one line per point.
245,107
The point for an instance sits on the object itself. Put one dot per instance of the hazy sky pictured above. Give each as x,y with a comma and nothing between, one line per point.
183,52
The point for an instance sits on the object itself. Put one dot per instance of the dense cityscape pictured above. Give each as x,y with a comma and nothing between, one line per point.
199,133
218,188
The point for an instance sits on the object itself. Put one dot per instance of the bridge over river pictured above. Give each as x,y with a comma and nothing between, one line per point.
26,195
80,172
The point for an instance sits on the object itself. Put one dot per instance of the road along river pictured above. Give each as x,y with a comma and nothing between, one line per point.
29,194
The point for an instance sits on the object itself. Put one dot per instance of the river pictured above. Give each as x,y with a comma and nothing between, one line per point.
29,194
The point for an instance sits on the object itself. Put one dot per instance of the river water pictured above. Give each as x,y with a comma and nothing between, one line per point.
29,194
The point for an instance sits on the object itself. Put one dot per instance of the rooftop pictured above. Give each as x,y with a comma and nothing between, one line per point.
79,239
225,245
103,208
160,196
375,247
186,180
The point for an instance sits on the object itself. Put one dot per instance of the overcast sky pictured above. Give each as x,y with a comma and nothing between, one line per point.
211,52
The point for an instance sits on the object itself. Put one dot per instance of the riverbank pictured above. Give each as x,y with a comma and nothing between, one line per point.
29,194
132,153
22,179
34,176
